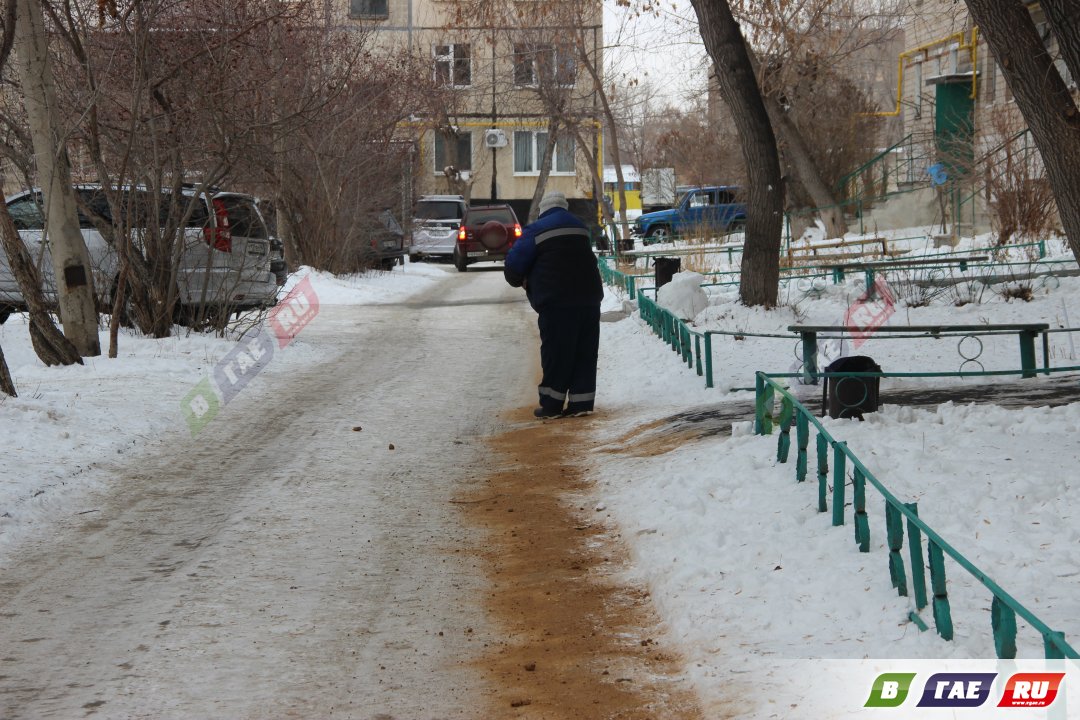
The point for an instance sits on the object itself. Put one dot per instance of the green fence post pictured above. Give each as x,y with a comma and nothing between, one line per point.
1051,649
1003,621
783,443
839,480
918,568
759,404
822,472
802,439
697,353
1027,353
809,351
862,520
708,360
769,403
894,531
942,612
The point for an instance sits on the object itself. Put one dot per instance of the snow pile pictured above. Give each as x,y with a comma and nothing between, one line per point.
370,288
684,295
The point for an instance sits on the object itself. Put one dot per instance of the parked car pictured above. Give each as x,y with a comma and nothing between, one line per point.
703,209
382,241
435,226
487,233
224,261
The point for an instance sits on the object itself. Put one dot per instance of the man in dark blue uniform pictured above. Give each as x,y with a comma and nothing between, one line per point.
555,263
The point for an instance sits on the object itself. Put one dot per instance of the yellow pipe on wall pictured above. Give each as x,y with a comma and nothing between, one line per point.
962,44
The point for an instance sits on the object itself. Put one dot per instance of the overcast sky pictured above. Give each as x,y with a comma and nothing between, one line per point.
665,51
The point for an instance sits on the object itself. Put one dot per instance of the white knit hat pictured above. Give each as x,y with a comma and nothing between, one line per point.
551,200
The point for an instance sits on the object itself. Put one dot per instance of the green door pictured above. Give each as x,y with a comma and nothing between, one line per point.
954,127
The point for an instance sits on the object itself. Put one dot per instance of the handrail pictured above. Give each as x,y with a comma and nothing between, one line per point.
1004,607
841,184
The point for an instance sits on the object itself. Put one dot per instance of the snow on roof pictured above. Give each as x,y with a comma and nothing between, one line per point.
629,174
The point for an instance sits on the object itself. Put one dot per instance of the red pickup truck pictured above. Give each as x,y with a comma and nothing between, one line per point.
487,232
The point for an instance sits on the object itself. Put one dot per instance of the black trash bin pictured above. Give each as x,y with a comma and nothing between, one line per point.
847,397
665,269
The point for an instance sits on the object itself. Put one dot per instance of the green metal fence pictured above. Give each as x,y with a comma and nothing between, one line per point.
1004,609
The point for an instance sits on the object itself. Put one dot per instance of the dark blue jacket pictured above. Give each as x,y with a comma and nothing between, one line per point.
555,262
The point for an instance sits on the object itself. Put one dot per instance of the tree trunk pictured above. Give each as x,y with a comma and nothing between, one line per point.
765,198
1064,19
800,162
49,343
1042,98
545,169
7,386
71,262
613,143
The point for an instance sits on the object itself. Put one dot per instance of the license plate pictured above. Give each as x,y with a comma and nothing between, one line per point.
477,254
256,249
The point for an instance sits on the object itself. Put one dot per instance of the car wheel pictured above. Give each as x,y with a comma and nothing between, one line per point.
5,313
460,263
414,258
658,234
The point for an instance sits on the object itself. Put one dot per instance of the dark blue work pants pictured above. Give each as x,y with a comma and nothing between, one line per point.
569,343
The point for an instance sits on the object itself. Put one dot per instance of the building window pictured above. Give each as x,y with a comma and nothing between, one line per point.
534,64
368,8
464,152
918,90
524,66
453,65
529,148
989,81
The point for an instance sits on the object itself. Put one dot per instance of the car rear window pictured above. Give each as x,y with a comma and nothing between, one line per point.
438,210
244,219
479,216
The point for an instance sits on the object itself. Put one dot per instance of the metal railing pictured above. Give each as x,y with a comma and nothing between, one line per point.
1004,608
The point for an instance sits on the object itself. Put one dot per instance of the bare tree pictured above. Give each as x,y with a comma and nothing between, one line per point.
1041,96
1064,19
70,259
765,193
7,386
49,343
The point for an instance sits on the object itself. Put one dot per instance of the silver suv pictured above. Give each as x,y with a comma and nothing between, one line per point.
435,226
224,261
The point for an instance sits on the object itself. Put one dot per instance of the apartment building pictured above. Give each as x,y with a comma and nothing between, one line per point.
958,113
498,80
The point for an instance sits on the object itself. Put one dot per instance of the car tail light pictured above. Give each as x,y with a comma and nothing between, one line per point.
219,235
461,234
517,230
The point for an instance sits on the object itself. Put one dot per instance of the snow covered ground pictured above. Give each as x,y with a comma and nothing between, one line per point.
744,571
68,421
741,565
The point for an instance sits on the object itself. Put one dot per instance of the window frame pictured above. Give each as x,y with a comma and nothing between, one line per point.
463,135
559,58
535,158
452,62
355,14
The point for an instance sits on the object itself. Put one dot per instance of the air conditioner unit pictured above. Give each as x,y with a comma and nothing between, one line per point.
494,138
